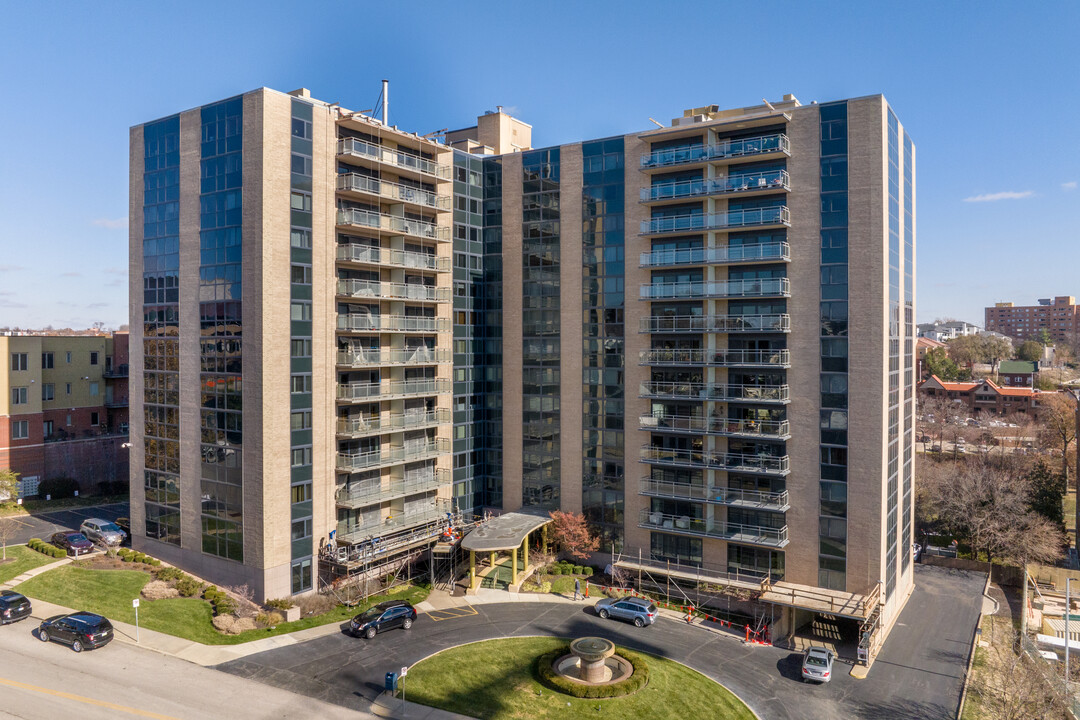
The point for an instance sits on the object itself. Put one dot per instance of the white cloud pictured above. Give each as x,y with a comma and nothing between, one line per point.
1071,185
994,197
108,224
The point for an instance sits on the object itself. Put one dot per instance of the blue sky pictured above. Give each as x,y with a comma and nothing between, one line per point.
987,90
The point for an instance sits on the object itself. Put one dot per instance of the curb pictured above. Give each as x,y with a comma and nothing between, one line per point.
971,655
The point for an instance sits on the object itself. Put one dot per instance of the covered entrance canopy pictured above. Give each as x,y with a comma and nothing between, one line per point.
503,533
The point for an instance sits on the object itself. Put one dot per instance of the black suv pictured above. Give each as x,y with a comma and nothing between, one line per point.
13,607
385,615
79,630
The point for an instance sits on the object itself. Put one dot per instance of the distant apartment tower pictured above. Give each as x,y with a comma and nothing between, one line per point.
64,409
701,336
1059,317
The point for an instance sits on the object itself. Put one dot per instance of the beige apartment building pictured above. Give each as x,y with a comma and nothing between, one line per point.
1059,317
699,335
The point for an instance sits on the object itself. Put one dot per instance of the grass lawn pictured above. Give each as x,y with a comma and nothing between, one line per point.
495,680
36,505
25,559
110,592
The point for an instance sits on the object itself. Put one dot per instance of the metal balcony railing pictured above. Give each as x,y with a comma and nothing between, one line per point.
717,221
356,217
391,422
762,464
734,497
715,391
392,323
396,488
117,371
376,290
390,156
715,323
363,357
703,187
391,191
749,534
764,252
352,461
393,389
392,258
353,532
662,422
766,287
761,145
676,357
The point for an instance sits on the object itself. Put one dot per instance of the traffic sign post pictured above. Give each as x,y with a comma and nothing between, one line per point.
135,604
404,672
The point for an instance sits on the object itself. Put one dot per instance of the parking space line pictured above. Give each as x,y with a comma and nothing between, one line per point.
450,613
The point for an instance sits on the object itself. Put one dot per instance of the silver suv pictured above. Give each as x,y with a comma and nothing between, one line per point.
102,531
639,611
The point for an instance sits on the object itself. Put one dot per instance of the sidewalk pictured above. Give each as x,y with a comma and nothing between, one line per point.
387,706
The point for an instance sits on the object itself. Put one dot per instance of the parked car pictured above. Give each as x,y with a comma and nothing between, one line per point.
103,531
925,439
384,616
74,542
817,664
124,524
13,607
80,630
639,611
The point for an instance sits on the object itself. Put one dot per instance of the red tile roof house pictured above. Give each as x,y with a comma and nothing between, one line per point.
984,396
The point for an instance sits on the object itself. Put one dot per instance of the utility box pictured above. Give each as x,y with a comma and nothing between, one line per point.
391,682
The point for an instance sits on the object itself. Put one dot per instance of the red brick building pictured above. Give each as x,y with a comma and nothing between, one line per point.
984,396
1060,318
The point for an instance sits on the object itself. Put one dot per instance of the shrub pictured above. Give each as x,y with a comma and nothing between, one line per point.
63,487
154,562
158,590
280,603
587,571
316,604
547,676
578,570
139,557
545,587
188,587
556,570
127,558
168,573
269,619
226,624
276,618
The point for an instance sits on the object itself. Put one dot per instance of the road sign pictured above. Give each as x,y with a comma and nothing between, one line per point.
404,672
135,602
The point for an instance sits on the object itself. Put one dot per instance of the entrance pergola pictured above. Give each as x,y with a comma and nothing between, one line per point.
508,532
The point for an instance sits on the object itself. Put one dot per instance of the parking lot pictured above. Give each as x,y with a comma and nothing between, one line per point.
44,524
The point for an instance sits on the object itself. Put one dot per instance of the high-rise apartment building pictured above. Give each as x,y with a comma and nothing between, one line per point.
701,336
1058,317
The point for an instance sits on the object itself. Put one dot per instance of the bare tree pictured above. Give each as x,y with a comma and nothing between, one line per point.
1010,686
7,532
1057,419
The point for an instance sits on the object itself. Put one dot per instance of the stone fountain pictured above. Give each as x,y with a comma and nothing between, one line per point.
592,661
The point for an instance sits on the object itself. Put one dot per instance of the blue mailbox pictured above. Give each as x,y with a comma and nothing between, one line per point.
391,681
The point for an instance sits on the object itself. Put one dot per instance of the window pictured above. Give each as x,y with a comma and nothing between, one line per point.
20,430
301,129
18,361
94,418
301,529
67,390
68,357
19,396
301,384
301,275
301,576
300,201
301,493
300,311
301,457
300,238
301,165
47,428
301,420
93,358
301,347
46,361
48,391
93,389
68,423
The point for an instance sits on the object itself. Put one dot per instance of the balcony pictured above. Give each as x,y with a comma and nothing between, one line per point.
397,488
363,357
731,497
732,150
702,357
351,532
115,402
715,323
409,162
118,371
768,287
367,255
364,185
743,184
384,457
375,290
732,462
700,222
718,392
727,255
727,427
749,534
391,422
354,217
391,323
391,390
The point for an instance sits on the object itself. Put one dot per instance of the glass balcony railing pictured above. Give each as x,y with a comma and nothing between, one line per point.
392,258
396,488
749,534
392,389
391,191
391,422
761,464
390,156
391,323
350,532
765,252
698,424
703,187
762,145
717,221
392,291
355,217
715,323
678,357
767,287
352,461
717,392
734,497
365,357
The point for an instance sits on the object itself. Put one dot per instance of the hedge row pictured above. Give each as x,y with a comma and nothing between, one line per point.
127,555
548,677
565,568
46,549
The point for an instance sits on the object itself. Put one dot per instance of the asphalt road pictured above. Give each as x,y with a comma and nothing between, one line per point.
917,676
44,524
45,681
